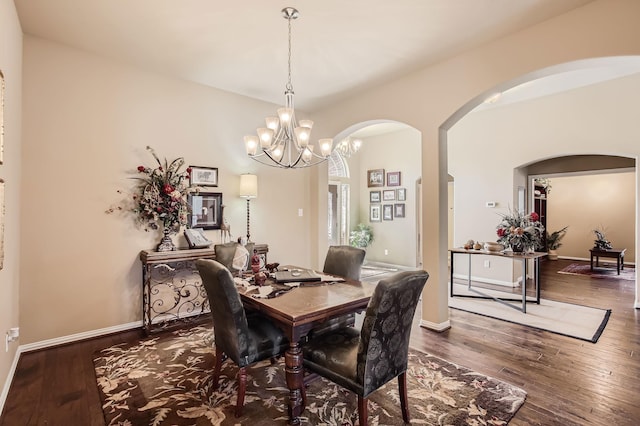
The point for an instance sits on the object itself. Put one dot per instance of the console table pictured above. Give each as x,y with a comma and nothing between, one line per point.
172,290
523,257
617,254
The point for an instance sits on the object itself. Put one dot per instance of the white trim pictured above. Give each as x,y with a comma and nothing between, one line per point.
79,336
465,278
9,380
435,326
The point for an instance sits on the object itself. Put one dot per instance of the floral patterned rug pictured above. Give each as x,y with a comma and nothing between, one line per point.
608,271
166,380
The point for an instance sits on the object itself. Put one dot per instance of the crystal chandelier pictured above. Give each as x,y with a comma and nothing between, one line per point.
284,142
347,147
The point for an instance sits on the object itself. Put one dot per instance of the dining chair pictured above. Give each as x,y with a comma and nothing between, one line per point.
364,360
344,261
226,254
245,339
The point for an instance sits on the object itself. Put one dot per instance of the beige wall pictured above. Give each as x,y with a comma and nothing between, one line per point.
587,202
396,151
433,99
11,66
87,122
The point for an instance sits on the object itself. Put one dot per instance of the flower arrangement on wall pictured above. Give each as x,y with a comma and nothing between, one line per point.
520,232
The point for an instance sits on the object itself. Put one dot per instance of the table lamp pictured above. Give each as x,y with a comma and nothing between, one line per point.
248,190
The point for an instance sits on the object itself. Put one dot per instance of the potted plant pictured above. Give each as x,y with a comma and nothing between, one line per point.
362,236
554,242
601,243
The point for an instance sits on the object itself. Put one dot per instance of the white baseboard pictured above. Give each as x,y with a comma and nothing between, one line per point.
78,336
465,277
9,380
436,326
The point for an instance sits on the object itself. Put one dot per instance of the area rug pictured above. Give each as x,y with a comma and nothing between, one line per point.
580,322
166,380
610,271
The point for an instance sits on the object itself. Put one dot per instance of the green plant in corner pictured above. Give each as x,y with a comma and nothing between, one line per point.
362,236
554,239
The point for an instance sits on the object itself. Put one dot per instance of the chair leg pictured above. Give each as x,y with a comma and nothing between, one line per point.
242,385
217,368
402,390
362,410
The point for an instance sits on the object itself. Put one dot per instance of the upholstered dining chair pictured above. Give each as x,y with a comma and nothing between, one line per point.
345,261
226,254
363,361
244,339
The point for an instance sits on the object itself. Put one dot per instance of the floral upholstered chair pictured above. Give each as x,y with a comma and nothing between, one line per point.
363,361
244,339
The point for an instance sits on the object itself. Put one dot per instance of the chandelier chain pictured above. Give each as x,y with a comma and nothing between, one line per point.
289,85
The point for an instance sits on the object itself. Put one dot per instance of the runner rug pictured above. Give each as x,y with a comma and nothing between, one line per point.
580,322
610,271
166,380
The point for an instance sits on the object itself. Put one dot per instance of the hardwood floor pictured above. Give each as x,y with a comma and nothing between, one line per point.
568,381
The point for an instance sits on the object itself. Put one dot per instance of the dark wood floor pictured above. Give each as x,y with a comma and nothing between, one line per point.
568,381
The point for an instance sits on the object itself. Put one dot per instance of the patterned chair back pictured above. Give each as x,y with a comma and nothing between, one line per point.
384,338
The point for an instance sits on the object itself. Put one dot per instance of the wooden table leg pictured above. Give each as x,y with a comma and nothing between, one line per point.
295,381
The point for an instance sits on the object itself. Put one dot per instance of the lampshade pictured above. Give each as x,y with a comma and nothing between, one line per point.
248,186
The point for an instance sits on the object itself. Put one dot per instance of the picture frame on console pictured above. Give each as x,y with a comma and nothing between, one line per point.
203,176
205,210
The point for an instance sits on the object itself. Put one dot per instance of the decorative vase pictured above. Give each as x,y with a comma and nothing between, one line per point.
517,247
552,254
166,244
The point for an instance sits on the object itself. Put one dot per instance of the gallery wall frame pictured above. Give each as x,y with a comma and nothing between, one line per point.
393,178
389,195
387,212
205,210
375,213
401,194
375,177
374,196
203,176
399,210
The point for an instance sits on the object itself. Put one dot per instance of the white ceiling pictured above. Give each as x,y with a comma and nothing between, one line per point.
339,47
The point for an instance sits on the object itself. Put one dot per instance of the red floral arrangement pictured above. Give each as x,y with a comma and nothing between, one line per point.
520,231
161,195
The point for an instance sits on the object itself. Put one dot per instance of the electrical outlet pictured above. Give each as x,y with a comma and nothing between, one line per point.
386,252
487,264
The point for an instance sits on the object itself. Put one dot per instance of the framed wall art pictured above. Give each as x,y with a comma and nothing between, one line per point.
206,210
374,213
389,195
387,212
375,177
393,179
204,176
374,196
401,194
398,210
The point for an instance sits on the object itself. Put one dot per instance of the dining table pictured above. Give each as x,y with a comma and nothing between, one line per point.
297,310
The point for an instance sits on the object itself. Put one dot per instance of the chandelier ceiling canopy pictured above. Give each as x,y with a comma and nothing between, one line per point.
285,141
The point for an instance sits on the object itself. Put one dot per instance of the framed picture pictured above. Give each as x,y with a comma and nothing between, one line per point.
393,179
375,177
206,210
204,176
401,194
374,196
398,210
374,213
389,195
387,212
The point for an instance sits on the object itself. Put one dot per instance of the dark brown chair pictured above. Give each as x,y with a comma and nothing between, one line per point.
363,361
344,261
244,339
